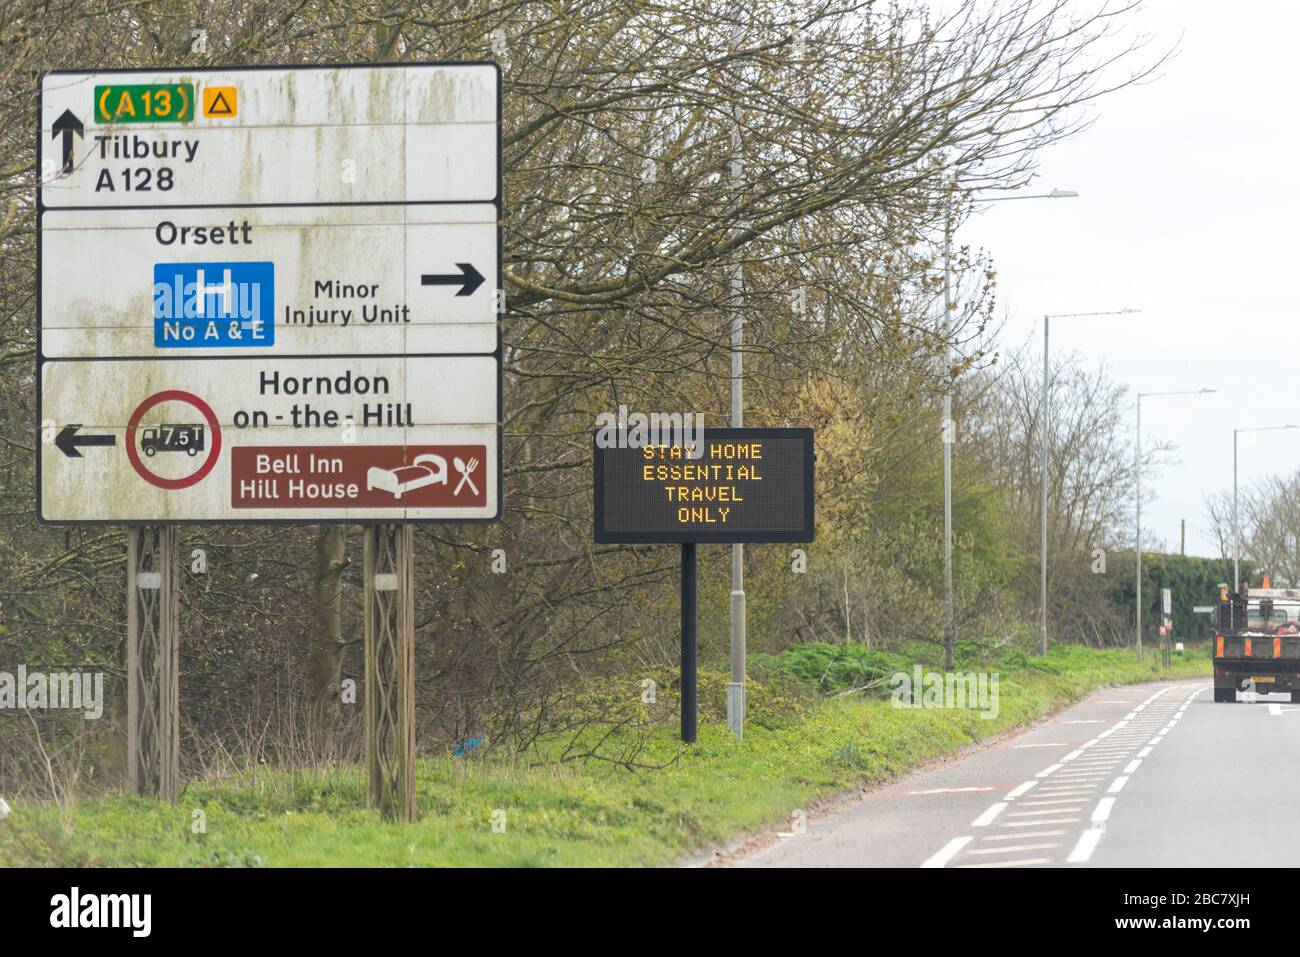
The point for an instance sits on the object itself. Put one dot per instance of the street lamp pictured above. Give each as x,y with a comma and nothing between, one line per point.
1137,468
1054,194
1236,522
949,629
1042,464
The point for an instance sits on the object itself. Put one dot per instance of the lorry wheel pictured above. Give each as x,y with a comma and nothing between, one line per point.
1295,697
1225,695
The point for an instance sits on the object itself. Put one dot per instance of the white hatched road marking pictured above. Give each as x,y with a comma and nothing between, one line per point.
947,852
1072,782
1028,862
985,819
1046,820
1078,800
1013,849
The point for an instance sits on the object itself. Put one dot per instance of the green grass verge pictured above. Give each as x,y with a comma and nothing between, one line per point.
577,813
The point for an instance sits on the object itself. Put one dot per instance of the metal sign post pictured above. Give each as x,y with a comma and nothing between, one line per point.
690,645
271,294
390,670
152,664
1166,625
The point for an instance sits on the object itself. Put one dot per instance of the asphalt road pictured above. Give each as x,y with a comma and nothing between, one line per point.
1154,775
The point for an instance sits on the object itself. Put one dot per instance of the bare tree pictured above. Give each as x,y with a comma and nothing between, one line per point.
1269,511
622,119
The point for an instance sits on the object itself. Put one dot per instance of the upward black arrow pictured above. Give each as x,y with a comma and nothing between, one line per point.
68,440
67,124
468,280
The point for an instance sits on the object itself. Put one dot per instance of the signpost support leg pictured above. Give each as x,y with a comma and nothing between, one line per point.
153,665
736,687
689,645
390,670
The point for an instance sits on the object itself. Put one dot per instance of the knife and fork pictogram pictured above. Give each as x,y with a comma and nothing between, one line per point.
466,469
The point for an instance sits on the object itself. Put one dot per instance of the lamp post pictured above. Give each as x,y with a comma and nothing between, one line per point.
1042,463
1137,469
949,436
736,686
1236,521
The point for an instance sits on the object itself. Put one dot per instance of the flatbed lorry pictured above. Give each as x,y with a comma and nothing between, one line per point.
1257,642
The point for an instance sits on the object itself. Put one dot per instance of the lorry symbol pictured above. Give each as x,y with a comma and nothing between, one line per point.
172,437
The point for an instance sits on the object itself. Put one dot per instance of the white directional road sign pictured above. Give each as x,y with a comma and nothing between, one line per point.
273,136
270,294
256,439
270,281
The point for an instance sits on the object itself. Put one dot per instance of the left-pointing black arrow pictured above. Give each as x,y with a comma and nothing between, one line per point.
68,124
69,441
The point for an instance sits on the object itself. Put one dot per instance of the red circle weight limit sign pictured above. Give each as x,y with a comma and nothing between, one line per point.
133,453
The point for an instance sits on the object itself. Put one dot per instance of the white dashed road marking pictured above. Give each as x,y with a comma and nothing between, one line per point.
1087,844
1102,812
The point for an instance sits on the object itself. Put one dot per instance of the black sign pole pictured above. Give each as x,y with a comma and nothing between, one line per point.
690,647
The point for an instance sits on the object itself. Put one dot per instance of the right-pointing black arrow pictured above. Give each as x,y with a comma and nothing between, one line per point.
68,124
69,441
468,280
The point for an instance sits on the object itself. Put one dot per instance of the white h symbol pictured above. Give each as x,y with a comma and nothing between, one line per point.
223,290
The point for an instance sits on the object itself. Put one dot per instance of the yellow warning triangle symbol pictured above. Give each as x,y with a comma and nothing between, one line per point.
219,106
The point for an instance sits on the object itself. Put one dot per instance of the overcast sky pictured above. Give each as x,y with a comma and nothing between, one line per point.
1186,212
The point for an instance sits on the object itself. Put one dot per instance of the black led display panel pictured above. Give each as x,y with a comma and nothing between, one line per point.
749,485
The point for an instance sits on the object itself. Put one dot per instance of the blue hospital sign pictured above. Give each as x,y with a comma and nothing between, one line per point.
197,305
